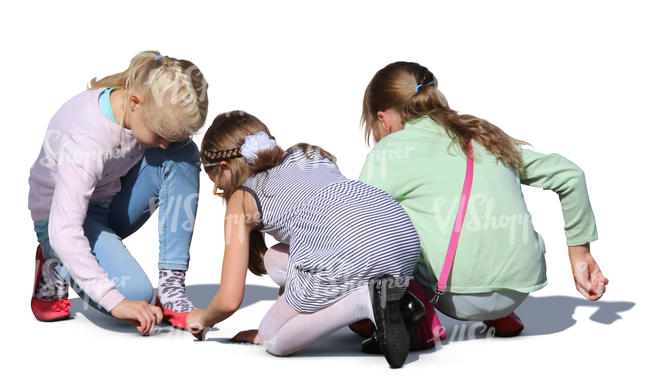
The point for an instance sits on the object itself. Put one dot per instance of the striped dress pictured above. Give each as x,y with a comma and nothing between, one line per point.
341,233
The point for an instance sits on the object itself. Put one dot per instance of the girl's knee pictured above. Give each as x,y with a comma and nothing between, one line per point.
276,261
134,289
183,152
269,342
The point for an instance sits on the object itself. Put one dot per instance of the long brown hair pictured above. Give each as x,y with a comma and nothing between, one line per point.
222,142
394,87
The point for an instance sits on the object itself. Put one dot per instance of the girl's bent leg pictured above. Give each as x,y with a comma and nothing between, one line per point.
276,262
112,255
167,179
284,330
472,307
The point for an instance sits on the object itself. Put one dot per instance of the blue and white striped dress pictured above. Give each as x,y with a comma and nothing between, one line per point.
341,232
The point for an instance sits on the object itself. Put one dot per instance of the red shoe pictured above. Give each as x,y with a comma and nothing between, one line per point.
427,331
47,310
176,319
423,334
509,326
364,327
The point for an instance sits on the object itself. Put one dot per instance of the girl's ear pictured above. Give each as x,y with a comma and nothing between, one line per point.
384,123
222,167
135,101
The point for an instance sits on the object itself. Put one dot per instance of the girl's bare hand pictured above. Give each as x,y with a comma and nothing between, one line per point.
589,280
141,314
197,324
248,336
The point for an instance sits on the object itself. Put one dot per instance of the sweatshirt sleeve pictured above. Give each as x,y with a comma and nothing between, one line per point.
567,180
79,169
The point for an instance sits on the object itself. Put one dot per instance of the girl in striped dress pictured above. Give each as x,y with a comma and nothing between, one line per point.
352,247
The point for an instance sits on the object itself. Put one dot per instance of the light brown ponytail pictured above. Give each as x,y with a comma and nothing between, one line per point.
222,142
394,87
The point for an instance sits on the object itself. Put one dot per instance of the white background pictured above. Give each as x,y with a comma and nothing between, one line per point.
568,77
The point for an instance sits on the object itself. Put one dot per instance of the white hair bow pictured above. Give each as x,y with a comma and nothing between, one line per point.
255,143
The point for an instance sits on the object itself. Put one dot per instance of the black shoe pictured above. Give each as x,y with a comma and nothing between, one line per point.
412,309
371,345
391,333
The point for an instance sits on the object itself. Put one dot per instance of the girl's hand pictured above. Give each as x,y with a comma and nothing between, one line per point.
138,313
248,336
590,281
197,323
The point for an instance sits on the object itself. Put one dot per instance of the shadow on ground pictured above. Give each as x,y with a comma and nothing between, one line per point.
541,316
200,294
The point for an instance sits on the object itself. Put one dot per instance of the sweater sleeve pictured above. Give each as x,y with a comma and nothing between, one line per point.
79,169
567,180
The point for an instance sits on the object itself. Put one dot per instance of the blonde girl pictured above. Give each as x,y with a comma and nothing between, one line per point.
111,155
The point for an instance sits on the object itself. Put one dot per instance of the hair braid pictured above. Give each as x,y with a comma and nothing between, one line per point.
212,155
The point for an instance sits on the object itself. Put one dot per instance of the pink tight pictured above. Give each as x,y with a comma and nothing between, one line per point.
284,330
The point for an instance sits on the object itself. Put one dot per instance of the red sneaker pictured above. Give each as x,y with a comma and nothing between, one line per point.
176,319
509,326
47,310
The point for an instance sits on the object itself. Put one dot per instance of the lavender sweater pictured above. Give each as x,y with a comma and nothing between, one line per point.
83,156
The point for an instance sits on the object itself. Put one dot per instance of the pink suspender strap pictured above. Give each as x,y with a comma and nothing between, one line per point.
458,225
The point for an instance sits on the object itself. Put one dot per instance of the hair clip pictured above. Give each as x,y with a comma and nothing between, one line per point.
433,83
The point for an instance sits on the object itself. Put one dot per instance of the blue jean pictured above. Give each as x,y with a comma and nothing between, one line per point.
166,179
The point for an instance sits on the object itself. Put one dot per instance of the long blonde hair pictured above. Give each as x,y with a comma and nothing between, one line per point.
174,90
394,87
222,142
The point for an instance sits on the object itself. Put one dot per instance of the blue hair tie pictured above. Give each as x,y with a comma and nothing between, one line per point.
417,88
160,56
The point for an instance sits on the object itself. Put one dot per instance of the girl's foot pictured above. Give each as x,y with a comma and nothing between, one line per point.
391,333
428,330
50,296
172,297
509,326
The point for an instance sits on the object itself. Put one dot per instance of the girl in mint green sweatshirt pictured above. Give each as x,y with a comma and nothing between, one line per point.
419,159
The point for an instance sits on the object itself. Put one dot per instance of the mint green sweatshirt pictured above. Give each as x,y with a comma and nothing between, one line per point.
498,247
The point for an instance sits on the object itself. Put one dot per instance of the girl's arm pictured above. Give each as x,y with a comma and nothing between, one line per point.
556,173
79,169
237,228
